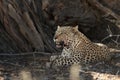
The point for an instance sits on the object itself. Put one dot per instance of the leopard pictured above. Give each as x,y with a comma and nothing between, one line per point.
79,49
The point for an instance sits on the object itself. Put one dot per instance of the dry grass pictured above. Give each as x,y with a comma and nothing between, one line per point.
74,72
104,76
25,75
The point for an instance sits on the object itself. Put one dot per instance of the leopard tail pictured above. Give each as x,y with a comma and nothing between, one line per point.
112,50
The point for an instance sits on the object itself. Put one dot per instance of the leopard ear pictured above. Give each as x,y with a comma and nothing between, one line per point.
58,27
76,27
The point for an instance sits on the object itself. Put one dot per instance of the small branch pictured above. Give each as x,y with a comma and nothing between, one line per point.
104,9
25,54
112,35
9,63
28,56
107,12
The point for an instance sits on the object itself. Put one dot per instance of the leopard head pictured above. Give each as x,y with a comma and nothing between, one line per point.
64,35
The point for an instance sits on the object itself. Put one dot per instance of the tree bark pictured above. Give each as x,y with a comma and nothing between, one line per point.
23,27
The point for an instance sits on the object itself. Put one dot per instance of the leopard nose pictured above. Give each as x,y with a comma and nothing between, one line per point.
61,42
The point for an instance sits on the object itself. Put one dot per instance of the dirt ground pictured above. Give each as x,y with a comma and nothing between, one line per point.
100,71
42,71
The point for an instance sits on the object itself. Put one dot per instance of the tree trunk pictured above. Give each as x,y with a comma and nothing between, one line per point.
23,27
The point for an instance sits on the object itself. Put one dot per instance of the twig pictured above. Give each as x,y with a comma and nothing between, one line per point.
25,54
117,72
104,9
3,62
112,35
117,43
107,12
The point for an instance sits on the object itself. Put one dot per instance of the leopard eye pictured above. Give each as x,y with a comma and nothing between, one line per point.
57,35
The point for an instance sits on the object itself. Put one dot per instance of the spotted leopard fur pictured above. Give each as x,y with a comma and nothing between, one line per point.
81,50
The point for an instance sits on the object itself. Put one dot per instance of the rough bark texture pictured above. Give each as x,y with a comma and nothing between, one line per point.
23,22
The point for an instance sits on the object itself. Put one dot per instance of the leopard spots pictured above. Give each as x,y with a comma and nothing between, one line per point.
81,50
